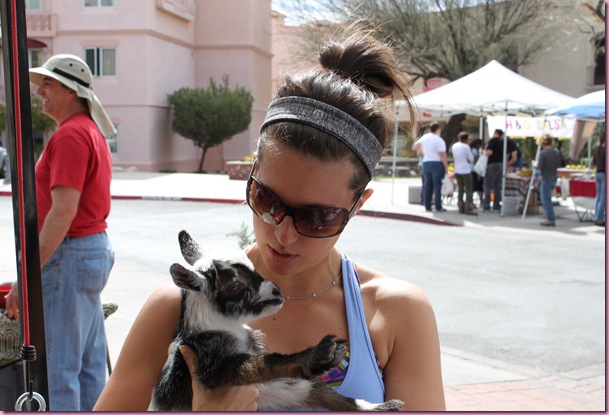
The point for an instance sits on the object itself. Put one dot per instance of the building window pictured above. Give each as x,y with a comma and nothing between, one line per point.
599,61
35,58
112,142
99,3
101,61
33,4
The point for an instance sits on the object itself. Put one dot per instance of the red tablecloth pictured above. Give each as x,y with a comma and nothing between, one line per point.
585,188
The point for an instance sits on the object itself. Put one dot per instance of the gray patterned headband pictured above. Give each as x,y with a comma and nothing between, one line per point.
330,120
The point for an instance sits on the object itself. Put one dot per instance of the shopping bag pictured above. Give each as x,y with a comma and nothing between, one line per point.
480,166
448,187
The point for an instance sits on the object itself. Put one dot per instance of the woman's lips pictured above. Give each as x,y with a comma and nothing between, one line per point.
279,257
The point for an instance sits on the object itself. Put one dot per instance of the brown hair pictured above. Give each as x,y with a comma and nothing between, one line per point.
547,140
476,143
355,75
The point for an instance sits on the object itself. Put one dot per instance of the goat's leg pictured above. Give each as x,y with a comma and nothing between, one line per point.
290,394
217,368
312,361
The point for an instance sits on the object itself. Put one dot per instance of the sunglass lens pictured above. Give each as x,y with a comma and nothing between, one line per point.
265,204
320,222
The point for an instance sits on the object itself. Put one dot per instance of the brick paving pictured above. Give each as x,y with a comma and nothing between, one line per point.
579,390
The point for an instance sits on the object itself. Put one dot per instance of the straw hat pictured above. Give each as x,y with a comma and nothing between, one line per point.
74,73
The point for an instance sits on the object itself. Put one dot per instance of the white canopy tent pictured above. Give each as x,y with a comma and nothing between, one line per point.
491,89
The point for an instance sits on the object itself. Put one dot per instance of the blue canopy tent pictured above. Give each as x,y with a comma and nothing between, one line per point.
589,107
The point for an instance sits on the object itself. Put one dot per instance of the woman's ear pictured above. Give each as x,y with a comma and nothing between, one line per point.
367,193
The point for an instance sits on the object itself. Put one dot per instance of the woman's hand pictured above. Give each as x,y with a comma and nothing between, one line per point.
234,398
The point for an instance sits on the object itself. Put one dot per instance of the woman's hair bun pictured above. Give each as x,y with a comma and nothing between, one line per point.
364,60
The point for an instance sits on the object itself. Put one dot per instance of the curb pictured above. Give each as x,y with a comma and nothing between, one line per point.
363,212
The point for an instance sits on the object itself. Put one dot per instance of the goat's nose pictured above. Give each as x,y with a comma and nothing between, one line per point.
276,290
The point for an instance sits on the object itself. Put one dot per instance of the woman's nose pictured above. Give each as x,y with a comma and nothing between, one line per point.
285,232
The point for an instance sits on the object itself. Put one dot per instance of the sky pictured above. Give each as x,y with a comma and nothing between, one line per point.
283,6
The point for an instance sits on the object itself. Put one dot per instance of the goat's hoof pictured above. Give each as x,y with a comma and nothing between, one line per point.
394,405
328,354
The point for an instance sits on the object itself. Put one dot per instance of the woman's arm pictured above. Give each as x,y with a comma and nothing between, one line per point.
409,337
143,355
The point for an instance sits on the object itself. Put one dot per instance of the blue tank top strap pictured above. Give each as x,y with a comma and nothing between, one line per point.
363,379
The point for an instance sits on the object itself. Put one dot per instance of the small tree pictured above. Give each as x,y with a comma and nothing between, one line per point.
41,123
209,116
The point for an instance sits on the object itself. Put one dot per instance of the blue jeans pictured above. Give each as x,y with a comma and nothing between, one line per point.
72,281
599,208
493,182
433,173
546,187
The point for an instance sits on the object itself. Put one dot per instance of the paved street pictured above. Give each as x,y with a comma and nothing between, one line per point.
520,308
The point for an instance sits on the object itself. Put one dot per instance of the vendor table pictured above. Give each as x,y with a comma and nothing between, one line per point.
583,194
585,188
518,186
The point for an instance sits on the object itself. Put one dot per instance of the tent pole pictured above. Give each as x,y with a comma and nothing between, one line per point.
21,149
504,167
532,181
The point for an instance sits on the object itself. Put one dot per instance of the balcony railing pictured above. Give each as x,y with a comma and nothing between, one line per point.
41,24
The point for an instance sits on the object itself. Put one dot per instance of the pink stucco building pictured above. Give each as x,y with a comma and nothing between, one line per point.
143,50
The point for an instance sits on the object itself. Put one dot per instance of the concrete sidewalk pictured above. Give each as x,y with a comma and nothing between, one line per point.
390,200
472,382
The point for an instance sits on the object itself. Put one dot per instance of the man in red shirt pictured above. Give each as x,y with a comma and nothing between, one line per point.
73,178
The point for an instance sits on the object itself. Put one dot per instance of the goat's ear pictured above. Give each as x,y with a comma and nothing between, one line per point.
185,278
190,249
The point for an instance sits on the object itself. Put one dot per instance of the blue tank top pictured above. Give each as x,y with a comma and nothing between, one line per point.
363,379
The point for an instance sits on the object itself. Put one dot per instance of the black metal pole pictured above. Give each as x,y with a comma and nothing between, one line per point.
25,217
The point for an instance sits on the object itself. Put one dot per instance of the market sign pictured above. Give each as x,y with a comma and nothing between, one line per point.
514,126
181,8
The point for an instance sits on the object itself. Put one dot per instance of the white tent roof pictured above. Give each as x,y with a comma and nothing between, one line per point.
492,88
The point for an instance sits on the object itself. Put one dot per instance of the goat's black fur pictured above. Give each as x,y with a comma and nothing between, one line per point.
220,296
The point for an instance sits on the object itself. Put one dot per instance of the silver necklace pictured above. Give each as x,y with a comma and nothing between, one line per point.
318,293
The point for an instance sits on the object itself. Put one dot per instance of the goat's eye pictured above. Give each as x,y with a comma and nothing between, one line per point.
235,286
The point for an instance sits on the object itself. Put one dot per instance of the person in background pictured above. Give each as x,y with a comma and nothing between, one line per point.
323,135
477,181
493,179
73,178
519,157
435,165
419,150
464,163
5,168
599,159
548,163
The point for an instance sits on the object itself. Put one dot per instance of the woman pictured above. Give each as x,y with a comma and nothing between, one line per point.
598,159
478,186
313,165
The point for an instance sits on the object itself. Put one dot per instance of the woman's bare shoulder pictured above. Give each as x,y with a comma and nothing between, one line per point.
385,288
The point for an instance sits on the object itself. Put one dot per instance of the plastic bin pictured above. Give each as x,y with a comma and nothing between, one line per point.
11,385
510,206
414,194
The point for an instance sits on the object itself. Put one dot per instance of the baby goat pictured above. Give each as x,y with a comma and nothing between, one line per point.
220,296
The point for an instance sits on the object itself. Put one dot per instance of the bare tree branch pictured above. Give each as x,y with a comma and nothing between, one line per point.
450,38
